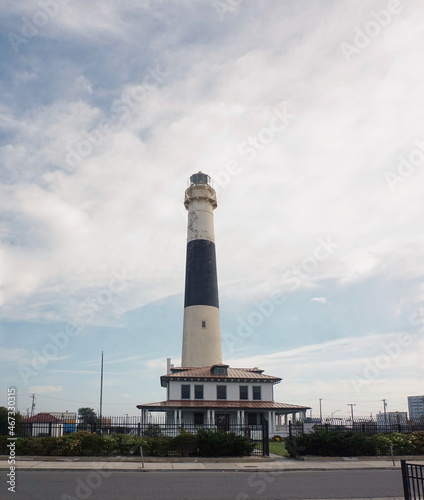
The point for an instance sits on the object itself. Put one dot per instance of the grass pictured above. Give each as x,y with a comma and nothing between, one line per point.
278,448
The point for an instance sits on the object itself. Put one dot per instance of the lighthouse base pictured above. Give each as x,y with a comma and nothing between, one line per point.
201,337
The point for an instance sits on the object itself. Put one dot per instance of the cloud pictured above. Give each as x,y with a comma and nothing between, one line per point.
320,300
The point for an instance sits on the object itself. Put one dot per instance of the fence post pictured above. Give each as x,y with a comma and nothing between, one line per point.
406,491
265,438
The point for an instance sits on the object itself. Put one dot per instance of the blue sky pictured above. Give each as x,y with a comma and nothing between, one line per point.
307,115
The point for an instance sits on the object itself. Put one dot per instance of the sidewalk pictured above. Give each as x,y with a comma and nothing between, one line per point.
252,464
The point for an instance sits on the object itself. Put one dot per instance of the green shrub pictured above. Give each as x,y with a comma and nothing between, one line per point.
205,443
222,444
185,444
333,443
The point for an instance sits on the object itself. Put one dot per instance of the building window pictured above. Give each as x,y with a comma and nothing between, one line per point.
220,369
199,418
198,392
221,392
185,392
203,324
257,392
244,392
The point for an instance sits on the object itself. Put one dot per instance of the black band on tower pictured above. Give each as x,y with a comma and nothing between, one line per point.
201,285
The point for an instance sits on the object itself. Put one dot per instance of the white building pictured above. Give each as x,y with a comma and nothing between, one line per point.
415,407
222,396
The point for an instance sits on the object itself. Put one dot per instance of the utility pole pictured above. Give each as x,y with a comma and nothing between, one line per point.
101,394
320,411
351,409
33,404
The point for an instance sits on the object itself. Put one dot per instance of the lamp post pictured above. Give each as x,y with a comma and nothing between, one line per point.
385,411
351,410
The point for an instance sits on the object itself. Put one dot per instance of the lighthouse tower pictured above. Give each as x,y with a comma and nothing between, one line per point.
201,330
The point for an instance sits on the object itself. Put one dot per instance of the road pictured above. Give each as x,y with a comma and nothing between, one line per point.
179,485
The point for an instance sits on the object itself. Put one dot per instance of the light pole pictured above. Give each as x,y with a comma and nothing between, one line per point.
351,409
384,409
333,412
320,411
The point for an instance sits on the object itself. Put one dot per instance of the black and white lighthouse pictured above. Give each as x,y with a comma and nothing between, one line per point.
201,330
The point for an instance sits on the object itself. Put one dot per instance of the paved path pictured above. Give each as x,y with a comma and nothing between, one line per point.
278,464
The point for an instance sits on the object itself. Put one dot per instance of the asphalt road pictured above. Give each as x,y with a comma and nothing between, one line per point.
178,485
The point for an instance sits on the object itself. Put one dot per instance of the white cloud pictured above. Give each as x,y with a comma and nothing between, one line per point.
320,300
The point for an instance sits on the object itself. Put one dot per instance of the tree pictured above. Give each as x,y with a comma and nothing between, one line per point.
87,415
5,421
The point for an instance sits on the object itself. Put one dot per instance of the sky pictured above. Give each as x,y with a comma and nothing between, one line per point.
309,118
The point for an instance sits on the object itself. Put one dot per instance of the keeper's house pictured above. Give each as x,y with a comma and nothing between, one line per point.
222,396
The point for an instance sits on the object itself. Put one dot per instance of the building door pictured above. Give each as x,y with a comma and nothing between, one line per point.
252,419
199,418
222,421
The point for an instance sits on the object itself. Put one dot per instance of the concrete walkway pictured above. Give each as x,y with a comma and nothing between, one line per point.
252,464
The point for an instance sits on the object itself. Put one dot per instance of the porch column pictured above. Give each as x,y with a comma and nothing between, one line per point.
243,417
285,418
272,422
212,417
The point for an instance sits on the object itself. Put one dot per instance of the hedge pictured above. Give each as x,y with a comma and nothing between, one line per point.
205,443
338,444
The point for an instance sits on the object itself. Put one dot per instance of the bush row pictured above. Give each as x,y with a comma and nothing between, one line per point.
339,444
204,443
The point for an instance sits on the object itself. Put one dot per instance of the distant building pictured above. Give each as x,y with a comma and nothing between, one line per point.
68,419
43,424
415,407
392,417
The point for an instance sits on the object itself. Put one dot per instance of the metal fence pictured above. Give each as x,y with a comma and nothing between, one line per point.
257,434
413,481
365,425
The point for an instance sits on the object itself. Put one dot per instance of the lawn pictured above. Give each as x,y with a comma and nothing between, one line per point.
279,448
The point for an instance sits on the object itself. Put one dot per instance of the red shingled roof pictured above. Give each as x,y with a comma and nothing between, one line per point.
43,418
248,405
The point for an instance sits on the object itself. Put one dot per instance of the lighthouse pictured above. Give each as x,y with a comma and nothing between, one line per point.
201,328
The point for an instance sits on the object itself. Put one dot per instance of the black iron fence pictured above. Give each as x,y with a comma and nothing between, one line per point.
365,425
413,481
132,426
